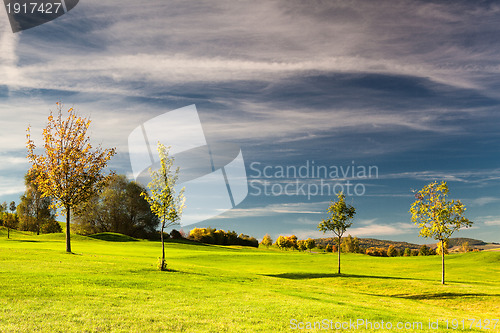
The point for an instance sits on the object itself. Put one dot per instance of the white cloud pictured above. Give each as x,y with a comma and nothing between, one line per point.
382,229
275,209
11,185
228,41
490,220
368,229
472,176
482,201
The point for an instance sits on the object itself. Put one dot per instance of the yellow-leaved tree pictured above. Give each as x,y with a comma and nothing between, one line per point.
436,216
70,170
341,217
163,199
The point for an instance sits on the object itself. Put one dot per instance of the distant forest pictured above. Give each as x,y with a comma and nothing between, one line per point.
371,242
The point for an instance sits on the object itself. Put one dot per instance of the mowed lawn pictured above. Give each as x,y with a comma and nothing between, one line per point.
114,286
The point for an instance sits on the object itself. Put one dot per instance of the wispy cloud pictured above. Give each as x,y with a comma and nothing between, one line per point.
472,176
490,220
277,209
368,230
482,201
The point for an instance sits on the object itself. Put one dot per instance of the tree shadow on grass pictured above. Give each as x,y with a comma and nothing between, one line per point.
25,240
444,295
305,276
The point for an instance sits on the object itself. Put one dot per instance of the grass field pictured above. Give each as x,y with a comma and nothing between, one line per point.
108,285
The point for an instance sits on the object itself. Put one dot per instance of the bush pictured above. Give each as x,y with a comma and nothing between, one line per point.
424,251
174,234
376,251
329,248
50,227
220,237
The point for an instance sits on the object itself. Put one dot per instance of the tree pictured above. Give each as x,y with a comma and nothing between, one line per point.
301,244
12,207
436,216
439,248
34,211
164,201
341,215
310,244
392,251
70,170
465,247
282,242
407,252
267,241
10,222
118,208
350,244
424,251
292,242
329,248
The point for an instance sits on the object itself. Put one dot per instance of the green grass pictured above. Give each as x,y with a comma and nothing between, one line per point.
114,286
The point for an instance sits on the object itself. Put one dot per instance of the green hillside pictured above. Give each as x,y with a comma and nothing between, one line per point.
110,286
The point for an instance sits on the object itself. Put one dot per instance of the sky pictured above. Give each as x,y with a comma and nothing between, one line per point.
406,89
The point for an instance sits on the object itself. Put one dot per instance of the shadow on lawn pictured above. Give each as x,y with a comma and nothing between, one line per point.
443,295
303,276
25,240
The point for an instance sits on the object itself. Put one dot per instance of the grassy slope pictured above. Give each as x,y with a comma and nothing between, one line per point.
113,286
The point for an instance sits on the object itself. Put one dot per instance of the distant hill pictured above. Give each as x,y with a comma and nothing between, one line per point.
459,241
372,242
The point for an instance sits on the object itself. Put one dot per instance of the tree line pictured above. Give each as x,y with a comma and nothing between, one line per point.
221,237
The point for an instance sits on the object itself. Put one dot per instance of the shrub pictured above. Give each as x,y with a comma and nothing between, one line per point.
50,227
174,234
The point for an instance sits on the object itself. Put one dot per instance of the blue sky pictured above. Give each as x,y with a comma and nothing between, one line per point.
410,87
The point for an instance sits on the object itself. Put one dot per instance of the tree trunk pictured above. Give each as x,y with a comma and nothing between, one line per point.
8,232
338,251
442,261
68,240
37,223
162,248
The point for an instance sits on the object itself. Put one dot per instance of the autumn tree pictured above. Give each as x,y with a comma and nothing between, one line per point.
436,216
392,251
310,244
9,220
350,244
70,170
282,242
465,247
340,219
13,207
163,198
292,242
267,241
440,246
35,211
301,244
